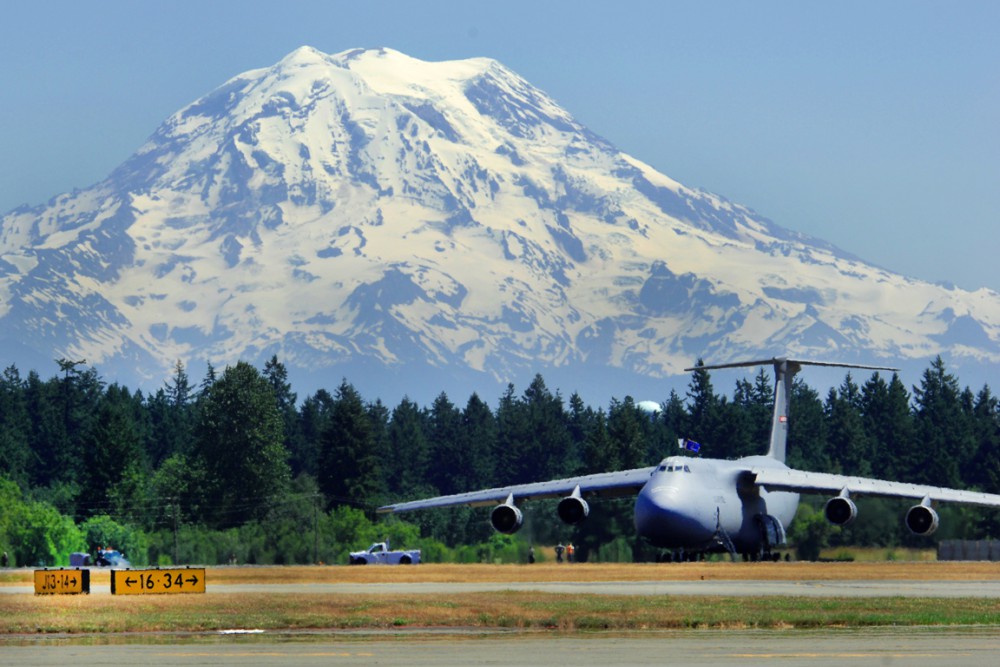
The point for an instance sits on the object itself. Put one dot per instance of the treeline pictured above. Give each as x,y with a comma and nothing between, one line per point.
237,467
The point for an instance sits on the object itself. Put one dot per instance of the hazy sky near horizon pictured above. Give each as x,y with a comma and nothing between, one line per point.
872,125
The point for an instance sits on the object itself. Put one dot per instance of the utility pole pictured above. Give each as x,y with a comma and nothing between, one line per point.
316,529
176,544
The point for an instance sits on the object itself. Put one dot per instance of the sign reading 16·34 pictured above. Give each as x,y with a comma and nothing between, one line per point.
157,581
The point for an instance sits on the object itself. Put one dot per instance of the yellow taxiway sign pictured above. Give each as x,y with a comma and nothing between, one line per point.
62,582
158,581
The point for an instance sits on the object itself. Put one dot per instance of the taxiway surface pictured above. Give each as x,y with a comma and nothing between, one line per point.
925,647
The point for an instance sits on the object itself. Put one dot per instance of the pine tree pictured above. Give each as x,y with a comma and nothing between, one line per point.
705,413
314,420
807,440
378,417
207,381
578,424
48,430
79,394
599,451
985,471
172,417
349,468
986,431
888,422
943,437
511,423
285,399
849,445
625,430
113,445
479,434
737,423
15,450
178,391
675,422
547,439
408,456
447,457
759,408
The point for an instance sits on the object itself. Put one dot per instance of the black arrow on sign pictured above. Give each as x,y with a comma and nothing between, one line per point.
129,581
193,580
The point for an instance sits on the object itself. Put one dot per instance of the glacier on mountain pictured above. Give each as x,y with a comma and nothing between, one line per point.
368,212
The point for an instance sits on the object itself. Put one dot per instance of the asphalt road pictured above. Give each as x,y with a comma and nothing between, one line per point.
911,647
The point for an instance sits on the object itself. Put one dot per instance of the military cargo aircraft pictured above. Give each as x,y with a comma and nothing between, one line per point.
696,505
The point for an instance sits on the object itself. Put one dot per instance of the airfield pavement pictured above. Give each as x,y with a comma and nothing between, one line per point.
916,646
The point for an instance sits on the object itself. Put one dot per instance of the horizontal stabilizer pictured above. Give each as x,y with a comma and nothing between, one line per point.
796,362
784,372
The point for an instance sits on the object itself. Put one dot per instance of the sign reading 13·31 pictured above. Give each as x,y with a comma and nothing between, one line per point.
158,581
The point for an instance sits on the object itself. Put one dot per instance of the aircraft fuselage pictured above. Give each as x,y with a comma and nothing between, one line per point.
696,504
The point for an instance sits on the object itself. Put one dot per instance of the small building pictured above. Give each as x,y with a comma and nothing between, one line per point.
969,550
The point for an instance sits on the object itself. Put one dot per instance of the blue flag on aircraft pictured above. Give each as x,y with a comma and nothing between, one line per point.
690,445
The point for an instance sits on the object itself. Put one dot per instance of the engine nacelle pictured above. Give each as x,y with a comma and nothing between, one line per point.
573,509
921,520
506,519
840,511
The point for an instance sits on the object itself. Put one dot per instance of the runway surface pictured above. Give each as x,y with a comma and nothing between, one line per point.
745,587
911,647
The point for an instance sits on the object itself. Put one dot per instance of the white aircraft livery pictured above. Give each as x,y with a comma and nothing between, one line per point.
693,505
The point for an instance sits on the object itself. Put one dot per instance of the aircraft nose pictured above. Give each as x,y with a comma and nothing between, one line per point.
667,517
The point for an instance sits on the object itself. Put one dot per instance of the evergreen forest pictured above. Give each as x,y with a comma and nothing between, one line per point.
238,468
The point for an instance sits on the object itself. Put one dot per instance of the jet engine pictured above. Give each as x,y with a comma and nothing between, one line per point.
573,509
506,518
921,520
840,511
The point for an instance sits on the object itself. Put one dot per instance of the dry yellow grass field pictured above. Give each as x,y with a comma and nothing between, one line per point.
433,572
883,571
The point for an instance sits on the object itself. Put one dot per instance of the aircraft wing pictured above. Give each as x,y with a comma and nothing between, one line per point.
605,485
777,479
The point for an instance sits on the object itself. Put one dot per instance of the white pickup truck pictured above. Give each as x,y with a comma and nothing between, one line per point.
379,554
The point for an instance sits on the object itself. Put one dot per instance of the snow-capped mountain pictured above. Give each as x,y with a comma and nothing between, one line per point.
370,212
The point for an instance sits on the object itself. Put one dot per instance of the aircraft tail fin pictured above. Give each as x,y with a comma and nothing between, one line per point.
784,373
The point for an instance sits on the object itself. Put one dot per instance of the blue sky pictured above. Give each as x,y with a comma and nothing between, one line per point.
872,125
